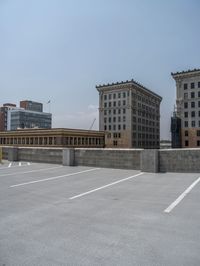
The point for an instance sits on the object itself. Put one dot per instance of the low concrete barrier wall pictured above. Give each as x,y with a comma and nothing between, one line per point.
110,158
172,160
179,160
43,155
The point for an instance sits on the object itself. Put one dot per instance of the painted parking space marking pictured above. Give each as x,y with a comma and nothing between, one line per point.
32,171
9,165
105,186
182,196
53,178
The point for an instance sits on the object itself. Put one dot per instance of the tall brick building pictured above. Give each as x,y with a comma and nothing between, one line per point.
130,115
188,106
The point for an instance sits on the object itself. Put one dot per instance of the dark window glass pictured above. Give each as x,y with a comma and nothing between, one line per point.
186,123
186,114
193,124
198,93
185,105
192,94
185,95
192,104
186,142
198,142
186,133
198,133
193,114
185,86
199,84
192,85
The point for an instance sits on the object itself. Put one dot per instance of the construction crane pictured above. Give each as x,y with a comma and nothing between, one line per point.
92,124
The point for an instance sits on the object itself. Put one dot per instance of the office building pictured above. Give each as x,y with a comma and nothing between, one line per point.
13,118
32,106
130,115
188,106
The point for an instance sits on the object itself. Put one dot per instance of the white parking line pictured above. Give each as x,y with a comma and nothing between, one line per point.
20,164
28,164
53,178
181,197
32,171
9,165
13,166
108,185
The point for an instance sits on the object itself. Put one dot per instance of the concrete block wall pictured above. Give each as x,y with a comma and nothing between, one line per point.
43,155
179,160
172,160
109,158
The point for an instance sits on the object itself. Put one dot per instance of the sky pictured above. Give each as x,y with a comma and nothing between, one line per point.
59,50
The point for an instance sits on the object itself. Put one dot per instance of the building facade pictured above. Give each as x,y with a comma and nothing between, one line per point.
188,106
130,115
57,137
13,118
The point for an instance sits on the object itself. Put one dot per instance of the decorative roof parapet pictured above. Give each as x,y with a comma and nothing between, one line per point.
132,81
186,71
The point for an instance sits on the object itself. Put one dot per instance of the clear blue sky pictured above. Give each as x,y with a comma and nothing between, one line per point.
61,49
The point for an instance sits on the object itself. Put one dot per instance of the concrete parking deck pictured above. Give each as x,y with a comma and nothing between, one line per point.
57,215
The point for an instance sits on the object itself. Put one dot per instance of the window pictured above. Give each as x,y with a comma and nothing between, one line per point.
186,114
119,127
109,119
109,112
185,105
199,113
198,133
186,133
105,112
114,127
124,94
119,103
186,123
192,85
119,111
114,142
198,142
114,103
105,105
109,104
185,95
124,119
192,94
114,119
186,143
119,118
198,93
185,86
199,84
114,111
124,102
124,111
119,95
198,103
114,96
105,97
109,127
109,96
193,124
105,120
124,127
192,104
193,114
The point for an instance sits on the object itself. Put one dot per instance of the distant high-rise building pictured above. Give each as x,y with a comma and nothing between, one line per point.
130,114
188,106
13,118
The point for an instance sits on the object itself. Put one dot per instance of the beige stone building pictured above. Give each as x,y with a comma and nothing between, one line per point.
188,106
129,113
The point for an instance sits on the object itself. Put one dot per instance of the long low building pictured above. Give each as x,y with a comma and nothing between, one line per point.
56,137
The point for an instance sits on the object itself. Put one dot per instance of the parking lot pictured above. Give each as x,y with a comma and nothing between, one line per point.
58,215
